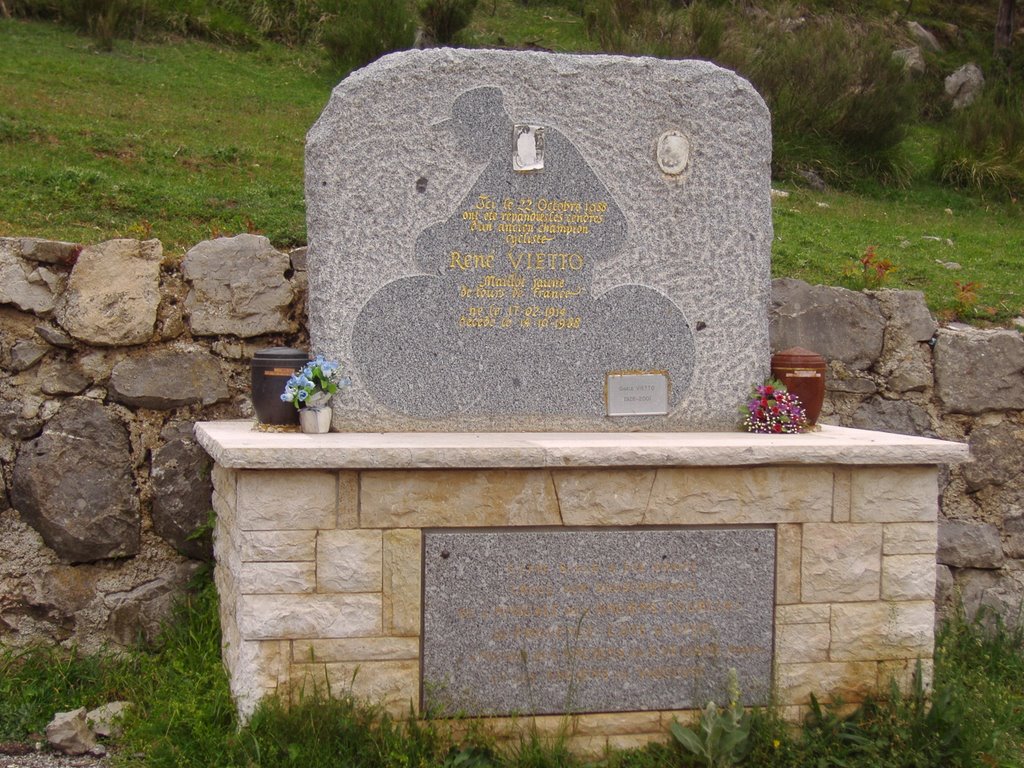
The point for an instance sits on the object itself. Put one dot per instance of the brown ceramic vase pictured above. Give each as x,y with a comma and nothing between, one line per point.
803,374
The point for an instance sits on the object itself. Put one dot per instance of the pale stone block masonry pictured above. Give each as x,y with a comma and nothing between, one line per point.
319,569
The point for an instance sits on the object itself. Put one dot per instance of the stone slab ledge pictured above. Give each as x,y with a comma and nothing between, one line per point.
238,445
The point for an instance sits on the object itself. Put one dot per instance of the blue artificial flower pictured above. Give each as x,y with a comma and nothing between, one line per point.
317,375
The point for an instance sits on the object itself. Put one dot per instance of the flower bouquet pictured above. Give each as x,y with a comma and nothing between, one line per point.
311,389
771,409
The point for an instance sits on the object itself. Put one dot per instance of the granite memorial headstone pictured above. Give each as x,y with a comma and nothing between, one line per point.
510,241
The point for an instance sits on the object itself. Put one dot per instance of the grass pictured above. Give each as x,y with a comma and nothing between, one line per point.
558,27
177,141
183,717
935,237
37,681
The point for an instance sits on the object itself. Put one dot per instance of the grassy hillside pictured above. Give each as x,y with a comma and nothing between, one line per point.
182,140
178,141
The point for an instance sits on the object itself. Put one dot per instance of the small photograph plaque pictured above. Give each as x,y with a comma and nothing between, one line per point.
633,393
528,148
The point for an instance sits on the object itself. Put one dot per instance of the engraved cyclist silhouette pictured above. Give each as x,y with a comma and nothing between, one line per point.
475,333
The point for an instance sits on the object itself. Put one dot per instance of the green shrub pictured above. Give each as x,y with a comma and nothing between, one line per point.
320,732
107,20
103,20
203,19
234,22
982,146
840,102
443,20
639,27
35,9
365,30
292,22
707,30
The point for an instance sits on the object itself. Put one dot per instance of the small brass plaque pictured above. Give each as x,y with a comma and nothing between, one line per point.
637,393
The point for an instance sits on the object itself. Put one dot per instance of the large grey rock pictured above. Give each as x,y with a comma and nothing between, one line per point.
909,370
55,336
113,294
57,595
62,377
69,733
139,613
911,59
14,425
105,720
965,85
299,258
908,316
997,454
28,286
239,287
1013,546
25,354
923,36
48,251
897,416
650,220
969,545
843,382
978,371
1002,605
73,484
944,584
836,323
168,379
970,587
906,354
1014,523
182,489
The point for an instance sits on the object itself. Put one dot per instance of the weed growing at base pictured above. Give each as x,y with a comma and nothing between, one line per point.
37,681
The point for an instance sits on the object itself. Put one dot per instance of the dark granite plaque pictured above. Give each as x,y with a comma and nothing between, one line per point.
556,620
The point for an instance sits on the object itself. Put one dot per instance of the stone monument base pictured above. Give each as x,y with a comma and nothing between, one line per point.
320,558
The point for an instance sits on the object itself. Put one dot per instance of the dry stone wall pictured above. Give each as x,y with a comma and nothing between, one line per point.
893,369
111,352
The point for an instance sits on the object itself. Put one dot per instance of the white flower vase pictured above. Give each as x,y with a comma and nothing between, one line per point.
317,399
315,420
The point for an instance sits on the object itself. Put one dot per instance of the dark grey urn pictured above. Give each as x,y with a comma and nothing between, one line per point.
271,369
